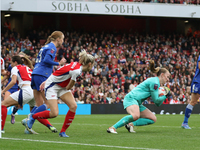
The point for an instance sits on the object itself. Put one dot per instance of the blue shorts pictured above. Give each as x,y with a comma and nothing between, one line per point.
195,87
12,90
36,81
128,101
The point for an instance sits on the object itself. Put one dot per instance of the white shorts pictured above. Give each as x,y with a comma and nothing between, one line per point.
55,91
24,96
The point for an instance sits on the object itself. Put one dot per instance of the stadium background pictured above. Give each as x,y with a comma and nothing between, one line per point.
121,34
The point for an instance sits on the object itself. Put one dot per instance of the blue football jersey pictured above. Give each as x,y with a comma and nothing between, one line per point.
42,67
196,78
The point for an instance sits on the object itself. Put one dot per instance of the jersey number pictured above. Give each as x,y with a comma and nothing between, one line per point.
29,71
39,58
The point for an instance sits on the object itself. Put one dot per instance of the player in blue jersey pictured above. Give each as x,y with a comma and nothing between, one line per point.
14,88
139,115
195,95
43,69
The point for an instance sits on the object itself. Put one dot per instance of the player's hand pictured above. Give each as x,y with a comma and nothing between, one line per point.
42,86
2,95
62,61
168,93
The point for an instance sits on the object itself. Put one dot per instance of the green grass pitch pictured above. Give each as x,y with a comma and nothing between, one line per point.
88,132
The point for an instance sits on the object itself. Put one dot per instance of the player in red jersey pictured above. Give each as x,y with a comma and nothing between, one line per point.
20,74
59,85
3,72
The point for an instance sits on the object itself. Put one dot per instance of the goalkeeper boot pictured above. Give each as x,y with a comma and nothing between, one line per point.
130,127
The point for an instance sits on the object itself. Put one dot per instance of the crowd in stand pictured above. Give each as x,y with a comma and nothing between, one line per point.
121,61
186,2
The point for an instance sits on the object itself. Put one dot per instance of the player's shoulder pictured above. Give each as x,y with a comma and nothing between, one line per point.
49,46
152,80
75,66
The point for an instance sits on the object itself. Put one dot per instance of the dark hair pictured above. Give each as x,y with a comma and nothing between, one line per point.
17,59
156,70
23,60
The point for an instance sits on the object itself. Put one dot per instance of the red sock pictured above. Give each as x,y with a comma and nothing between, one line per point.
68,120
45,122
3,116
42,115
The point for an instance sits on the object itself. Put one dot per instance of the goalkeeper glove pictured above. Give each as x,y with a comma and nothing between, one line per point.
168,93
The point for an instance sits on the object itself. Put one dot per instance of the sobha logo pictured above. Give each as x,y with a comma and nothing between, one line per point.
70,7
106,8
129,9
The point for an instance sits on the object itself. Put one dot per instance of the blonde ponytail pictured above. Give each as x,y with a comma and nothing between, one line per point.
152,67
27,62
48,40
85,58
156,70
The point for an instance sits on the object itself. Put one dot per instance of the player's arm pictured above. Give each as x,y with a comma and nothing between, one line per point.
156,99
155,96
48,59
71,84
74,74
199,63
11,84
6,76
3,72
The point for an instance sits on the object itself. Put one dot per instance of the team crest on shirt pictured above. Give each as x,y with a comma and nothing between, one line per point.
155,86
52,51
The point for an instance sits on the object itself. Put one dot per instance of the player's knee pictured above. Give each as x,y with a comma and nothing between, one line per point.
54,114
154,119
136,116
193,102
73,107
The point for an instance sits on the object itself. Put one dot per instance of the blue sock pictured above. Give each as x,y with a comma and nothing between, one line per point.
33,109
188,112
15,109
40,108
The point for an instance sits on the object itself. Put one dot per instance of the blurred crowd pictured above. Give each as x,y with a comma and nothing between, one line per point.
186,2
122,61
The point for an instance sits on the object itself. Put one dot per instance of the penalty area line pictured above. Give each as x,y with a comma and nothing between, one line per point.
84,144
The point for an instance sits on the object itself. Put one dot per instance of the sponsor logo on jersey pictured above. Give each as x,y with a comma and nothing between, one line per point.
52,50
155,86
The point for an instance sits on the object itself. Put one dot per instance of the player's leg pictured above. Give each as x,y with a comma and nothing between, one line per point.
9,101
39,96
189,108
44,114
132,108
51,92
146,118
15,108
195,94
134,112
8,93
68,99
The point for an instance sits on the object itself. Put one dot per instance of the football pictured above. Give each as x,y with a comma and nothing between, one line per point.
161,91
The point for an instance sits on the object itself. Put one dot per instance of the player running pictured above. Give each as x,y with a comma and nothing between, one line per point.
59,85
195,95
20,74
43,69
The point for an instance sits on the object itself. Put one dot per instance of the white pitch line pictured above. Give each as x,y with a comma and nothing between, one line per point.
84,144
